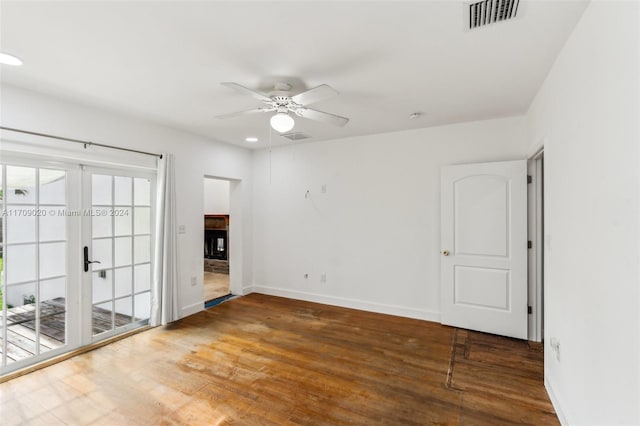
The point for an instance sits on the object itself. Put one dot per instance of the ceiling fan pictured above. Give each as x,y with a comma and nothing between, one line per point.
282,104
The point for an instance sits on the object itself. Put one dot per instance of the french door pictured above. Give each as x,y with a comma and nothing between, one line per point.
116,251
50,212
36,262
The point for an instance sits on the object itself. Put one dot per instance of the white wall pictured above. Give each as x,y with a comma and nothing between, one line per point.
375,233
195,157
216,196
587,116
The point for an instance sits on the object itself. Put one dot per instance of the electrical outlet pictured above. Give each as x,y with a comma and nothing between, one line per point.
323,278
194,281
182,229
323,189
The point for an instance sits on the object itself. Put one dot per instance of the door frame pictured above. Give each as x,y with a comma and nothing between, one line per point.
235,235
76,291
535,231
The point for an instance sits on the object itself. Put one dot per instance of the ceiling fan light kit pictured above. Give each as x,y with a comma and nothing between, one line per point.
282,104
282,122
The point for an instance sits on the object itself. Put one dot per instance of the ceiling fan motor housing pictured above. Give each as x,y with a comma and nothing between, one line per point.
284,104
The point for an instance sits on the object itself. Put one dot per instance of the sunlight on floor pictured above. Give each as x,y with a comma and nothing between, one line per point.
215,285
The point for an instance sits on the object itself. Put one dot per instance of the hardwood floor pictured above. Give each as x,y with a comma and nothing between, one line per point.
267,360
489,368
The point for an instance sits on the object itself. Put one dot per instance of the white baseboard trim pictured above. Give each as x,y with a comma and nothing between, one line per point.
247,290
344,302
194,308
555,402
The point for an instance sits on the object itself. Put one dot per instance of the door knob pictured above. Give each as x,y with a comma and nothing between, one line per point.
445,252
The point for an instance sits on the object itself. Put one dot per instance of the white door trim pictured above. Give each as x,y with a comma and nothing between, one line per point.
535,228
236,235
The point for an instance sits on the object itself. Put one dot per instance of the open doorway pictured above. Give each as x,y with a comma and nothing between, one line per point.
216,238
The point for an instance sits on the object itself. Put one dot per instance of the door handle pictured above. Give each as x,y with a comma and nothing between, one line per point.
86,259
445,252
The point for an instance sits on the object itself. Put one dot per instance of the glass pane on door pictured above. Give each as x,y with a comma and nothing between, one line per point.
33,262
121,236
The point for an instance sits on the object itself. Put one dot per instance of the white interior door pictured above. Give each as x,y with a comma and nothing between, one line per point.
484,247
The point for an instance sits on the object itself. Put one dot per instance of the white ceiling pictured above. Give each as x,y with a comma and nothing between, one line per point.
165,60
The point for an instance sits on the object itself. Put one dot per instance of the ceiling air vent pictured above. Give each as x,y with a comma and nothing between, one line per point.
487,12
295,136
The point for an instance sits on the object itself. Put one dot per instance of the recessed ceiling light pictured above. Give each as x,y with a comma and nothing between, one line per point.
251,139
415,115
7,59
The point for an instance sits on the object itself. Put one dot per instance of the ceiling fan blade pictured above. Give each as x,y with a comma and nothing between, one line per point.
316,94
247,112
325,117
244,90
